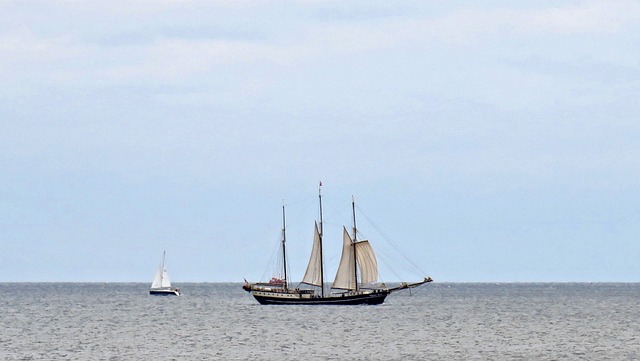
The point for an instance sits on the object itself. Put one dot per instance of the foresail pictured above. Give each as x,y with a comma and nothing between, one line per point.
345,277
367,262
313,274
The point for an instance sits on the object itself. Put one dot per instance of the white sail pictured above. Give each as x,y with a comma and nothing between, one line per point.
166,281
157,281
162,279
313,274
345,277
367,263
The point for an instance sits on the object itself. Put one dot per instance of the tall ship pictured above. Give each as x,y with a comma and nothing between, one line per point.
354,282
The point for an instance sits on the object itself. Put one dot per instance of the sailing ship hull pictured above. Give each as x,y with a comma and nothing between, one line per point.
161,292
273,298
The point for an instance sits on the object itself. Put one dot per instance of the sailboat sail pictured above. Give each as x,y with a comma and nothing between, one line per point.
162,276
166,281
157,281
367,262
313,275
345,277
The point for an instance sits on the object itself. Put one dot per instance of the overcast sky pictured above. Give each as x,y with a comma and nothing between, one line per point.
489,141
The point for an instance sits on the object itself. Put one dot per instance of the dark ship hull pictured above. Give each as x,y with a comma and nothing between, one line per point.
267,294
301,298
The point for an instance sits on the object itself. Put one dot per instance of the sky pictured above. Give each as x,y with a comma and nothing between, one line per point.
485,141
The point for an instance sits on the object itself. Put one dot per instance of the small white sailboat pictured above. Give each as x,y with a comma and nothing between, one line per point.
161,285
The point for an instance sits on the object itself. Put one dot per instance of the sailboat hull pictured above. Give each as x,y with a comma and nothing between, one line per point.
171,292
292,298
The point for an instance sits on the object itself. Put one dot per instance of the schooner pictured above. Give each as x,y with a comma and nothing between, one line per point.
358,268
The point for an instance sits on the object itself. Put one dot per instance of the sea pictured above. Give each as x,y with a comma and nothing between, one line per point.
219,321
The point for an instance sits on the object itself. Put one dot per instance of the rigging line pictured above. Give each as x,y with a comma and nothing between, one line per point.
415,290
330,206
306,201
298,215
389,259
391,264
274,264
388,240
383,258
302,200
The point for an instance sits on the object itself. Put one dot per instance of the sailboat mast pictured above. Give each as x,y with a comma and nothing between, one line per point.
284,252
321,259
355,262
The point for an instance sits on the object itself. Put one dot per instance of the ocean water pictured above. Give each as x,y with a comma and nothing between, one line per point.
439,321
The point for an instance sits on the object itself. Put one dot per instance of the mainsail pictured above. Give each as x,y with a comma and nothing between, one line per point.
162,277
166,282
157,281
313,275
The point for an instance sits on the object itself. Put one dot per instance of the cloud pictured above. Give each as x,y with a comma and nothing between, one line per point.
180,53
593,17
468,24
376,76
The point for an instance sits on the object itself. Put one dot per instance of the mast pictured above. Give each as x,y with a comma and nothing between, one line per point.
355,259
321,259
284,252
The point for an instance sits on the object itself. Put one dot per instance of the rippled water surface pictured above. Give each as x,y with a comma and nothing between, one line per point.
222,322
